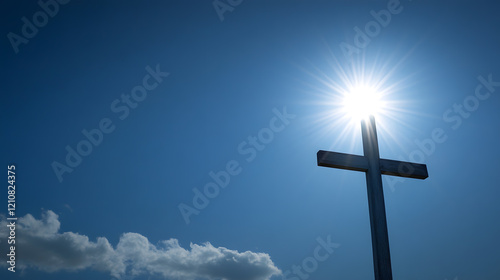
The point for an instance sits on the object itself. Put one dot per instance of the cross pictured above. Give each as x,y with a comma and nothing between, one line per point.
374,167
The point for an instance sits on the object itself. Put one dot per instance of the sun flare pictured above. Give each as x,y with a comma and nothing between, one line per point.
362,101
347,93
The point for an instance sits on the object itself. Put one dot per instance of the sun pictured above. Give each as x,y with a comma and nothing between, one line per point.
360,102
345,93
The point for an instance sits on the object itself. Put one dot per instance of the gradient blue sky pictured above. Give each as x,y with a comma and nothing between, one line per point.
225,79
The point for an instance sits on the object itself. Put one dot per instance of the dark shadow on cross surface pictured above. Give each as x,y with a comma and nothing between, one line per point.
360,163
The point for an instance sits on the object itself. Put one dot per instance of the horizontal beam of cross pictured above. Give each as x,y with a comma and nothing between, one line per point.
360,163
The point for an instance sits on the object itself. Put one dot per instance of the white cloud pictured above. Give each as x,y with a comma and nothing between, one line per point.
40,245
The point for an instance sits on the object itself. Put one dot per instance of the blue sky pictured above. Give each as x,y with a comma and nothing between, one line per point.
157,95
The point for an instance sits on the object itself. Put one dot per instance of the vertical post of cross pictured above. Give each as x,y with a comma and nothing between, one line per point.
376,204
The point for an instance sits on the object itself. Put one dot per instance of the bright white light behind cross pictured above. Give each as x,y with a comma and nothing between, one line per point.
362,101
348,92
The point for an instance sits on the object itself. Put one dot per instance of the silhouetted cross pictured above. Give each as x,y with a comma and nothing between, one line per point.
374,167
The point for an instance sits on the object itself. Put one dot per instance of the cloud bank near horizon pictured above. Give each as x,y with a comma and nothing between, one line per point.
40,245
